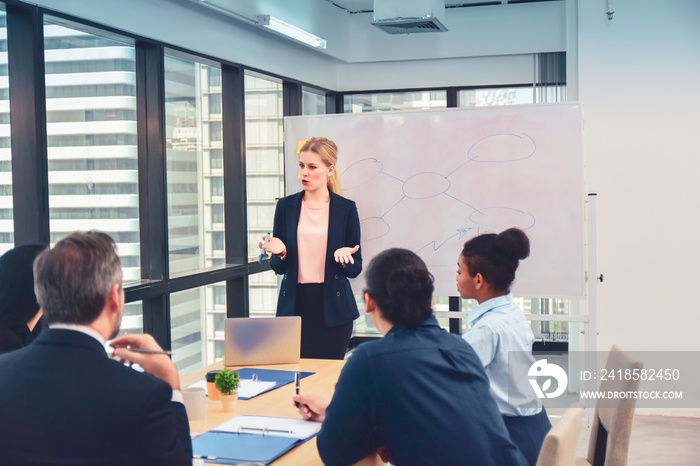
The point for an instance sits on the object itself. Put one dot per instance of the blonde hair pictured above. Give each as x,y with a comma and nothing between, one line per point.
328,151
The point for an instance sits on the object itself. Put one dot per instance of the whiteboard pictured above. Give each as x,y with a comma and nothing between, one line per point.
430,180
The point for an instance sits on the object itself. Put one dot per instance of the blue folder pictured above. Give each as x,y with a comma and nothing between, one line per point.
280,377
234,448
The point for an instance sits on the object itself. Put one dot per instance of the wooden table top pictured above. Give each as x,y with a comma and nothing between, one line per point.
276,403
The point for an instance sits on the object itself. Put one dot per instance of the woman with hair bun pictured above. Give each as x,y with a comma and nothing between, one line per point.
315,246
486,272
417,396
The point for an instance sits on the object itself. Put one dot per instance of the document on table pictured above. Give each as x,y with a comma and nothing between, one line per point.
250,388
277,426
253,439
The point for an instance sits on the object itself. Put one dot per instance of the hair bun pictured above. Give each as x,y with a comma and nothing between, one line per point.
514,243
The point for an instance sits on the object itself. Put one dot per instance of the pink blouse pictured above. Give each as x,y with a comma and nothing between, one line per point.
312,241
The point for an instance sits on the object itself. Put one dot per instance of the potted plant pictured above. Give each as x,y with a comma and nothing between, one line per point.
227,383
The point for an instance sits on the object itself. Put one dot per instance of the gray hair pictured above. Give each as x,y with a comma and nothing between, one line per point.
73,280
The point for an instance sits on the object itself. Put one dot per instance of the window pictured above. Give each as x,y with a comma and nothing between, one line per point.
187,142
486,97
215,104
132,320
6,202
313,102
217,240
265,178
197,320
93,179
217,186
216,157
217,213
383,101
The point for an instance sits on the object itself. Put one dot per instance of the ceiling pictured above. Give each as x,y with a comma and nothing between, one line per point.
366,6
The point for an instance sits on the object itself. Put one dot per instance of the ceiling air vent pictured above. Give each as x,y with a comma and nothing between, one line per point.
409,16
409,25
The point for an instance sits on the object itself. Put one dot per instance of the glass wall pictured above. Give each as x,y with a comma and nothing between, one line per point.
7,240
486,97
91,143
197,320
195,197
195,181
313,101
264,178
385,101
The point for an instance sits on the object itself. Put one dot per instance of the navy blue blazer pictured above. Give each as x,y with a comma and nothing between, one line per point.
339,306
64,401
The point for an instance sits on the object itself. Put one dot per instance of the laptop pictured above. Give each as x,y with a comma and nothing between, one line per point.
262,340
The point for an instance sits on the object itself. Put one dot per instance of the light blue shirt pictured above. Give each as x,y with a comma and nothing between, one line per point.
497,327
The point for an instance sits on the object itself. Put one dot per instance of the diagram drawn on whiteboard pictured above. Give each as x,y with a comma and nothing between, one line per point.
429,180
406,195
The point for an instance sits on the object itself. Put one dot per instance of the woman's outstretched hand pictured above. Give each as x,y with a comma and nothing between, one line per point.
344,255
274,246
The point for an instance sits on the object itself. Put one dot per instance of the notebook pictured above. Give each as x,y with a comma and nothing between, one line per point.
262,340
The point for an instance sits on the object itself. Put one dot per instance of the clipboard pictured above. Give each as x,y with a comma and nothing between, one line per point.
265,379
252,439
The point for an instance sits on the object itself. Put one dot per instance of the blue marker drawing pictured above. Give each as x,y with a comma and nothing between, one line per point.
403,195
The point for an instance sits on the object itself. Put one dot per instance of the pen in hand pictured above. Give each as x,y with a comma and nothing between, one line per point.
148,351
296,383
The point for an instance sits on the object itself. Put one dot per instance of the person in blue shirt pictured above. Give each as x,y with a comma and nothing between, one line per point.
417,396
486,272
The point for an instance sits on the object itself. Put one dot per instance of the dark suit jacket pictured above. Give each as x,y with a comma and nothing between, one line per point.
63,401
339,306
13,337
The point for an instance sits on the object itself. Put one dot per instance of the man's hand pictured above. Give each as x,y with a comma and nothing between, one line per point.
159,365
312,407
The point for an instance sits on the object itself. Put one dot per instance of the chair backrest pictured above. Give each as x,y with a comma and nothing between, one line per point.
559,446
611,427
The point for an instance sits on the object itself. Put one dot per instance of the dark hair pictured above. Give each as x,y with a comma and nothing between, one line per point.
73,280
18,304
496,256
399,281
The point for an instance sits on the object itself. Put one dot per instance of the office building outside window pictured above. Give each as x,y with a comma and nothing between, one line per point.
195,197
386,101
91,140
7,240
197,318
264,178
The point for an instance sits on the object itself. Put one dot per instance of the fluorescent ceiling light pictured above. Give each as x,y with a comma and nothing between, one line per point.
291,31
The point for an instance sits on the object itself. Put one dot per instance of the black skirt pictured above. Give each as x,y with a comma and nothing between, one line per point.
317,341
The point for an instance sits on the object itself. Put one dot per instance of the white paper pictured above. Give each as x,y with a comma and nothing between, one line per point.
276,426
250,388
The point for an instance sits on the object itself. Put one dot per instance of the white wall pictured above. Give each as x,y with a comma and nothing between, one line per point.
639,84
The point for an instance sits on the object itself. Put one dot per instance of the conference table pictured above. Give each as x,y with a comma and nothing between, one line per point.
276,402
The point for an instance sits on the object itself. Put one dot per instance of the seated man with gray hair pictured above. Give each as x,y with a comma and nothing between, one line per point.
62,399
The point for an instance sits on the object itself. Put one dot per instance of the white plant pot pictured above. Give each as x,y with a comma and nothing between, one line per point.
228,402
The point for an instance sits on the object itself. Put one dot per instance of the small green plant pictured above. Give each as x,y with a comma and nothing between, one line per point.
227,381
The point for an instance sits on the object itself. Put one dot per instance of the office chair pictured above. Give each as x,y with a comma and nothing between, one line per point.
559,447
611,426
